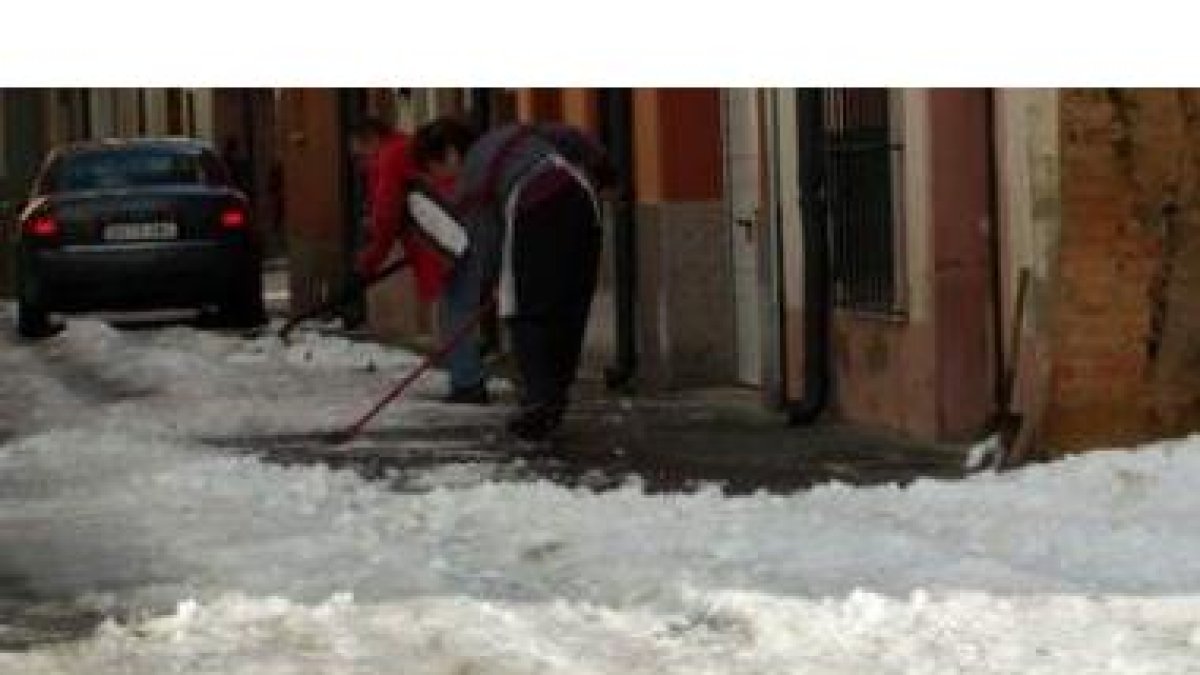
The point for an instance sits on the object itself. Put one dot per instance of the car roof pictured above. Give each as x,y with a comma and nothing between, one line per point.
180,144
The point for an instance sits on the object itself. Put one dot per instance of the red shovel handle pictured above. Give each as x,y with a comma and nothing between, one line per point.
352,432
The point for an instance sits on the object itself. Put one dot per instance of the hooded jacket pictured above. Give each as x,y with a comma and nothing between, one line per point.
390,171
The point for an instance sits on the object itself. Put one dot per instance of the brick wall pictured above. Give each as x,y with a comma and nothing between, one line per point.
1125,311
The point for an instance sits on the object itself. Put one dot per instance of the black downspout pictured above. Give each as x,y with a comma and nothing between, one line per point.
616,120
352,107
817,307
997,283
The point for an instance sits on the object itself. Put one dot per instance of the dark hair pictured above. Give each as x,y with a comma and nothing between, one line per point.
435,140
370,127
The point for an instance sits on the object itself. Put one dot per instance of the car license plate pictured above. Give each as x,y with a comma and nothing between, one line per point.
141,231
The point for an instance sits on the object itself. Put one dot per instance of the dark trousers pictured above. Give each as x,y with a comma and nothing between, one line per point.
555,248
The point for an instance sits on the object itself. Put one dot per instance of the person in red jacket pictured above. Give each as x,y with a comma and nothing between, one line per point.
390,174
389,171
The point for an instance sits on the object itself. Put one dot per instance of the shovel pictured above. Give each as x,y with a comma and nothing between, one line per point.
345,436
344,297
1008,423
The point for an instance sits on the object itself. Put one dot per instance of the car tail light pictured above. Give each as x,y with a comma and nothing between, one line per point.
42,226
233,219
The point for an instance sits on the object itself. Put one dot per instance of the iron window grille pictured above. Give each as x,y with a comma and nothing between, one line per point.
858,158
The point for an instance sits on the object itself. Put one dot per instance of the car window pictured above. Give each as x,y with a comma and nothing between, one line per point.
98,170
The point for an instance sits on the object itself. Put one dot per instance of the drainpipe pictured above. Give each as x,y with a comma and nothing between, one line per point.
817,307
351,107
616,119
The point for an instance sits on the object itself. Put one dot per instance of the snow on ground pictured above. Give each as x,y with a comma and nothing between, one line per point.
716,632
217,563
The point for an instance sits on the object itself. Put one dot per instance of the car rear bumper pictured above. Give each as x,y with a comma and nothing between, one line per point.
134,276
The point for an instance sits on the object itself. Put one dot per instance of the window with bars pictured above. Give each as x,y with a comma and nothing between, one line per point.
858,156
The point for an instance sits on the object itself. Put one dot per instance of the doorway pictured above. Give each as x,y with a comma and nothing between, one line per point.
744,214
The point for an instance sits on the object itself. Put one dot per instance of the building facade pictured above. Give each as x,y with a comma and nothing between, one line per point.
932,207
1111,223
891,258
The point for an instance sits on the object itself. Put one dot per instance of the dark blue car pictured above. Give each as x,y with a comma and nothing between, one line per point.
137,225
